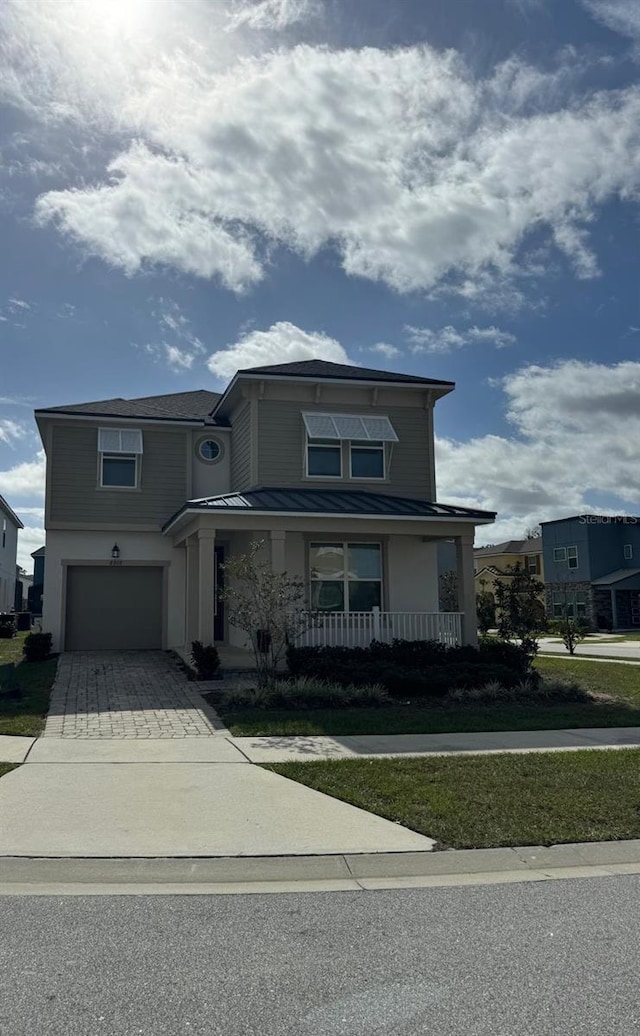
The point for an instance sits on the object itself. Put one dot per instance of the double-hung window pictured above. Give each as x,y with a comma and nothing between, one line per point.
364,436
324,458
119,457
366,459
568,554
345,577
572,604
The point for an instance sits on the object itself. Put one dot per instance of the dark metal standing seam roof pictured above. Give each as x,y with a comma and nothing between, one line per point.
329,501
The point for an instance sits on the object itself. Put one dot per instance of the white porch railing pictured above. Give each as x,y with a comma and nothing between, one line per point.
358,629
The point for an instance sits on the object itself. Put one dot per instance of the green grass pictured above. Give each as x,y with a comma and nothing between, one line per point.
495,800
26,716
620,708
11,648
5,767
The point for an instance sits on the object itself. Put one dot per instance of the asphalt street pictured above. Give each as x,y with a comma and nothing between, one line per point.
533,958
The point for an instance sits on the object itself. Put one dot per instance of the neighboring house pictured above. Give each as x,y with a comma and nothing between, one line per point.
36,590
9,526
592,566
331,465
496,564
24,582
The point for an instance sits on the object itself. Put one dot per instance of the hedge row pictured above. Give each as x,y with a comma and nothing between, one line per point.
414,669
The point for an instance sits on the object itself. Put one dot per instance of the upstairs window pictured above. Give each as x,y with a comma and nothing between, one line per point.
366,436
533,564
120,454
367,459
628,551
572,557
324,458
560,554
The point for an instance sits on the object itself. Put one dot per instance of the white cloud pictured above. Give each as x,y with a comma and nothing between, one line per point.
621,16
10,431
417,173
271,14
282,343
18,304
184,347
446,339
389,351
576,428
25,479
31,538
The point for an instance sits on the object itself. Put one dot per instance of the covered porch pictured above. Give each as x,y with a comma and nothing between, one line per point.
367,575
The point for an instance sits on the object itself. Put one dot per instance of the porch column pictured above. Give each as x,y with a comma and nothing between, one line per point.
278,539
614,610
206,584
192,589
466,589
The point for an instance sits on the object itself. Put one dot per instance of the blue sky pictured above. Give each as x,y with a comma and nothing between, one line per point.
444,187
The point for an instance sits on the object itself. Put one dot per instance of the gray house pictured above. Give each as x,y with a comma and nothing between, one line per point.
592,569
331,466
10,525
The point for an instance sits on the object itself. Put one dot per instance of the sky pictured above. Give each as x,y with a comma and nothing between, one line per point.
448,188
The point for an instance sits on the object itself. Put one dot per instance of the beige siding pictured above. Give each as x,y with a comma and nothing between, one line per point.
75,493
281,448
241,449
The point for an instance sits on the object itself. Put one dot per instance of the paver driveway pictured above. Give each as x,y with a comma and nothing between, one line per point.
126,694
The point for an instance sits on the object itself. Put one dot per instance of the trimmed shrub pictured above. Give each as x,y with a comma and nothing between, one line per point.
304,693
37,647
548,692
206,660
7,625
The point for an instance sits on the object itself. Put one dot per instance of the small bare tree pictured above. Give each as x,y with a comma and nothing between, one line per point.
268,606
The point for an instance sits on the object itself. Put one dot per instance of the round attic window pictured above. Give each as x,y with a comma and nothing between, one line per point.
209,450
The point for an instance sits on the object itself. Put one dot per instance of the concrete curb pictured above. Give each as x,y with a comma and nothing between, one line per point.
342,872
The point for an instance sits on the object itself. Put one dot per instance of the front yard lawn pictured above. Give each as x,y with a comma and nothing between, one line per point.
26,715
5,767
11,648
620,708
479,802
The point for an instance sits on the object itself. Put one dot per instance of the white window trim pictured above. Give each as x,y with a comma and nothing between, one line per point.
127,456
119,432
628,551
345,544
361,445
559,554
337,445
572,557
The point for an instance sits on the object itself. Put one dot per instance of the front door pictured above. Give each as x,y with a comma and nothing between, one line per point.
218,605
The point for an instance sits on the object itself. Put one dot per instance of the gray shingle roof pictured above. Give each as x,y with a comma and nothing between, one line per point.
177,406
329,501
326,369
531,546
616,577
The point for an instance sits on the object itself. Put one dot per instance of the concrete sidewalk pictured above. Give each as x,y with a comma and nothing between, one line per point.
301,748
180,798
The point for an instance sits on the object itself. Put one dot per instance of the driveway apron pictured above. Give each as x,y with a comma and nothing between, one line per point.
133,763
126,694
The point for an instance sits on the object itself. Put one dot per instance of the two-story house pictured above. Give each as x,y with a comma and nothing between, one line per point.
592,566
497,563
331,465
9,526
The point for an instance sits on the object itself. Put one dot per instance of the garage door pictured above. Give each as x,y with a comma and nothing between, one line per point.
109,608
